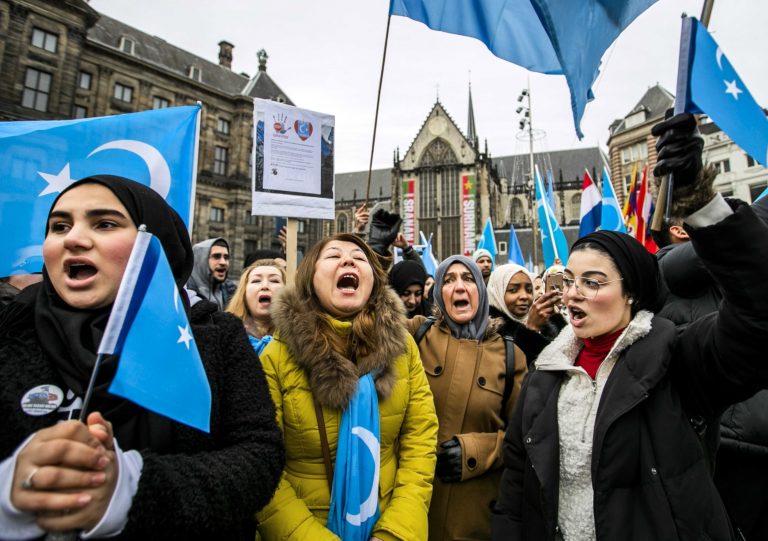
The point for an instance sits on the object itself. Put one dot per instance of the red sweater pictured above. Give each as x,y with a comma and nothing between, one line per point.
595,350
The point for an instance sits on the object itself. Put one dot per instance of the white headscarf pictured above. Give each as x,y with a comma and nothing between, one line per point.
497,287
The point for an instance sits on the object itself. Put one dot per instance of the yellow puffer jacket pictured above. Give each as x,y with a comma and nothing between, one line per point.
299,508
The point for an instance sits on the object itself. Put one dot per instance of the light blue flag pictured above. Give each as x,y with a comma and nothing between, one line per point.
611,217
550,190
514,252
553,242
707,83
529,266
38,159
160,368
488,241
355,495
565,37
427,257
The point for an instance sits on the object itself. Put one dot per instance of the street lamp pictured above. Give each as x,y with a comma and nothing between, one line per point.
526,120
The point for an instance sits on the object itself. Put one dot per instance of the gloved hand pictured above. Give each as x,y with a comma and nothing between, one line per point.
679,148
384,228
449,462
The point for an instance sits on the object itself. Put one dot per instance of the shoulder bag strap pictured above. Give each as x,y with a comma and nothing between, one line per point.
509,379
324,445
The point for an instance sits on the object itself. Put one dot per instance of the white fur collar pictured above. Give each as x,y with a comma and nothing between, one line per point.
562,352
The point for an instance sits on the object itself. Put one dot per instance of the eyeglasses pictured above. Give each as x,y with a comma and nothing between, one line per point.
586,287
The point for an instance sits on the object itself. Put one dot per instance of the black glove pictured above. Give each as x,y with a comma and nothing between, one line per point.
679,148
449,462
384,228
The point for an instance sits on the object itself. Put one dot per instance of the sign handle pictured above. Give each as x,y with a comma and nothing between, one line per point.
292,228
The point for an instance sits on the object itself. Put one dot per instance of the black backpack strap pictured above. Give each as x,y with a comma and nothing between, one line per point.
509,377
423,328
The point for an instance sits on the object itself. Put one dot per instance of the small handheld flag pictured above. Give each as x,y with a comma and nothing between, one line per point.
553,241
514,252
160,367
611,217
488,241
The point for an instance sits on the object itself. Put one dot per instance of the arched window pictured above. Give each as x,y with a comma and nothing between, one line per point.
575,206
341,223
439,152
517,216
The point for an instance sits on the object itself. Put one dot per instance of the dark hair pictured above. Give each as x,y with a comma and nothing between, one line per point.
663,237
220,242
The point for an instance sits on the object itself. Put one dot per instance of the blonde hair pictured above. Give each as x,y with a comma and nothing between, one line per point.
237,305
364,337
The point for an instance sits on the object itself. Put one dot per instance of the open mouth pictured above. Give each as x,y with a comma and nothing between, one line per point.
463,303
265,299
81,271
348,282
576,314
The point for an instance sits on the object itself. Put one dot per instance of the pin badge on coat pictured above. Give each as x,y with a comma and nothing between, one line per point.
42,400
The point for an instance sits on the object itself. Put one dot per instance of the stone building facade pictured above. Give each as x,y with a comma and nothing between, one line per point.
61,59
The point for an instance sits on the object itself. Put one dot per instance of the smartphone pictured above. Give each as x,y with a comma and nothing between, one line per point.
554,281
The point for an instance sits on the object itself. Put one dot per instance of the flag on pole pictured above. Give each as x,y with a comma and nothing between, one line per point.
564,37
708,83
630,205
427,257
610,218
591,203
488,241
42,158
553,242
160,368
514,252
645,208
550,191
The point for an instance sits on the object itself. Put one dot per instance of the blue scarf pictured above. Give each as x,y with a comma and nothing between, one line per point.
259,343
355,495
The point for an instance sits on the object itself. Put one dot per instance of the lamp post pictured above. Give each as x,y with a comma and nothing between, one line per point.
526,121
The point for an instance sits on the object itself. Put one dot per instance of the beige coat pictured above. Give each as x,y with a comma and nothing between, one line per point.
467,380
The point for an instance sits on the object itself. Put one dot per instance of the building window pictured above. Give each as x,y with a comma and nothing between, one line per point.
723,166
635,153
127,45
195,73
220,161
249,247
341,224
250,219
84,81
302,226
750,161
44,40
517,215
217,214
79,111
634,119
37,87
502,247
222,126
123,93
160,103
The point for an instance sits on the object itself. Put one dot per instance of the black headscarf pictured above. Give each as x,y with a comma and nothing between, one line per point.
70,337
405,274
640,270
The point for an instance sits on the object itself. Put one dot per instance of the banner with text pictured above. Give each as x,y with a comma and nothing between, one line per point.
468,191
409,217
293,161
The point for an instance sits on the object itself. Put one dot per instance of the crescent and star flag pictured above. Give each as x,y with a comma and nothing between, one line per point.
553,242
355,494
611,218
488,241
566,37
591,203
708,83
428,259
160,368
514,252
38,159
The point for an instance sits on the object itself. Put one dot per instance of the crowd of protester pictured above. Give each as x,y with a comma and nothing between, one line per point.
618,396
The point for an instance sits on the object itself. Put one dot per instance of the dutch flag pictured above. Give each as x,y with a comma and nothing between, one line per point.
591,204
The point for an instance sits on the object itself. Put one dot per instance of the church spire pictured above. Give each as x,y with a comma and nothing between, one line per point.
471,131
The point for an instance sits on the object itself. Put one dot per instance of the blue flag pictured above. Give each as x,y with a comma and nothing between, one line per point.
428,259
514,252
566,37
488,241
611,217
707,83
160,368
41,158
355,495
550,190
554,245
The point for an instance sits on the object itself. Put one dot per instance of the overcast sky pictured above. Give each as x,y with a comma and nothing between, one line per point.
326,56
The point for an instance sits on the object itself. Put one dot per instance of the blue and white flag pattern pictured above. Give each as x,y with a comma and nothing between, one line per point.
39,159
160,368
553,242
355,495
428,259
567,37
514,252
708,83
488,241
611,217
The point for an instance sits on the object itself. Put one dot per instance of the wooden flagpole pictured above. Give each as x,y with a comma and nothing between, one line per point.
376,116
291,256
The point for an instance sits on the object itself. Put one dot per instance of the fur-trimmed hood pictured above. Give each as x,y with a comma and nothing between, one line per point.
562,352
333,379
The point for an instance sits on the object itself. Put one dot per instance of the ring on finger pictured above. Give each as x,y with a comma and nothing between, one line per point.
28,483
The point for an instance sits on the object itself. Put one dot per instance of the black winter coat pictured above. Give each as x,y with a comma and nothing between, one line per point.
209,485
650,471
529,341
